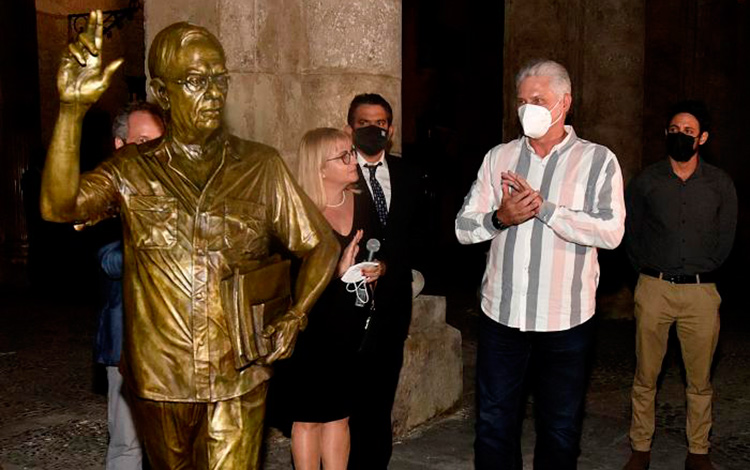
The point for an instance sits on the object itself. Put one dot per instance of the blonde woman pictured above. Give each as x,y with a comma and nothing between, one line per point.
321,368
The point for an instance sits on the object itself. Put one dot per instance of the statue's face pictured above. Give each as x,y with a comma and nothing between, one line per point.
197,90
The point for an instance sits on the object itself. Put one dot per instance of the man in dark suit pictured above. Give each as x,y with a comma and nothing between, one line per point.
391,186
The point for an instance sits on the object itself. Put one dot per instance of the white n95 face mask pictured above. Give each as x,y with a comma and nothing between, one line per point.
356,283
536,120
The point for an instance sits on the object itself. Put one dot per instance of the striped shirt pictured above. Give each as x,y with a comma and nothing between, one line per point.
542,275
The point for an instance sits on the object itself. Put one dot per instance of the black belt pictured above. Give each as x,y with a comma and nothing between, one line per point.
705,278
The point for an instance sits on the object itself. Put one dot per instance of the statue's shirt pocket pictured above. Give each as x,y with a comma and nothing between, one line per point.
245,226
153,221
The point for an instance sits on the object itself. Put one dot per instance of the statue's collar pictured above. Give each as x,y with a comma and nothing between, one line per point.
212,148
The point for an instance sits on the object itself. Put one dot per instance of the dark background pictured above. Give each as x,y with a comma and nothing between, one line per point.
628,61
625,59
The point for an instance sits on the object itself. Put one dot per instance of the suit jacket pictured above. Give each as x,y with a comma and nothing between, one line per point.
393,293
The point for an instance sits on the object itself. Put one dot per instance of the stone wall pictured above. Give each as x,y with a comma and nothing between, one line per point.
296,64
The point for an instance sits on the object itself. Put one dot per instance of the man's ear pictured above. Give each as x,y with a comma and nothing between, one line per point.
703,138
119,143
159,90
391,131
348,129
567,102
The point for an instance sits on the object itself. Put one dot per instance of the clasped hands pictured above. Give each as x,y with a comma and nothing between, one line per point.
520,201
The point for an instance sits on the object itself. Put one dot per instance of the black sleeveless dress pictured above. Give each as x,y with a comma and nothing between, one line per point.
319,377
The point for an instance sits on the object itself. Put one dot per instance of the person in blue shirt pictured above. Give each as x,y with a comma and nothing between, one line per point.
137,123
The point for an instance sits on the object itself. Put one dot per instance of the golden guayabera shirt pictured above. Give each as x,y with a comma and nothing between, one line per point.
179,242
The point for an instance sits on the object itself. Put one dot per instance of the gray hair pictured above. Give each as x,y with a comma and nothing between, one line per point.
120,124
560,80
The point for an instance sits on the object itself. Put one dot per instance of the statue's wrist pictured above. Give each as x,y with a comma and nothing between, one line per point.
301,318
73,109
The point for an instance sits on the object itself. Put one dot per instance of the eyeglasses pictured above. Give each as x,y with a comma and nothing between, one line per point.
345,156
197,83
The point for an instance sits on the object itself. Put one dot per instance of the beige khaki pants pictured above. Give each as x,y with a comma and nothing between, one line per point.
203,436
695,310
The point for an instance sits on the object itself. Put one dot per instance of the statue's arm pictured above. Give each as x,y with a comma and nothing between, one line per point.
80,82
61,173
307,234
318,266
316,271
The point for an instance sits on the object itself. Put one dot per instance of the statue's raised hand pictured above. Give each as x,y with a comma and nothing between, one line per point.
80,79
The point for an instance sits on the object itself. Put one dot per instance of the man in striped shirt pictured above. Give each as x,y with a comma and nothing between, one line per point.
547,201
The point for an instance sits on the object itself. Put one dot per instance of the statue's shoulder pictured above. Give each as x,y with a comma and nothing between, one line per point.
128,155
250,151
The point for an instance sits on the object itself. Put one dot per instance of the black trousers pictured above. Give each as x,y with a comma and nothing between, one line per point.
377,376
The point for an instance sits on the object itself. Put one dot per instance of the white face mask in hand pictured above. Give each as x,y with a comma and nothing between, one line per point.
536,120
356,281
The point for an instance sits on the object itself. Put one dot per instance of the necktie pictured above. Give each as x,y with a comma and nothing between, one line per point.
377,194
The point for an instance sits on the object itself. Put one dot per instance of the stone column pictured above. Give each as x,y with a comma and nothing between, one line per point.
431,380
296,64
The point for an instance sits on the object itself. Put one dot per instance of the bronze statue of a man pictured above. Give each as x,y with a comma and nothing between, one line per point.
200,209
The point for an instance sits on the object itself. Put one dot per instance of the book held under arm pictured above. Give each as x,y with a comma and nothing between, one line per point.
254,297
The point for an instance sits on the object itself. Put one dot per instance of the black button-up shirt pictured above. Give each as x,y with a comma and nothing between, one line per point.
680,227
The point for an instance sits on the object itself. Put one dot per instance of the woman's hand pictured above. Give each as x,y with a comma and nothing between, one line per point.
349,254
374,273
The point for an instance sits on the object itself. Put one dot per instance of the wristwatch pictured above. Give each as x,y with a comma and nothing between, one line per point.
497,223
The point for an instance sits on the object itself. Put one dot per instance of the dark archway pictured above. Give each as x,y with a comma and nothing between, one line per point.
19,132
452,113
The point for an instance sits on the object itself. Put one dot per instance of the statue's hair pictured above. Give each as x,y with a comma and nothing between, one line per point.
169,40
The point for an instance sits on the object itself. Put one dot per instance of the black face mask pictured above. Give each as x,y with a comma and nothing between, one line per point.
371,140
680,146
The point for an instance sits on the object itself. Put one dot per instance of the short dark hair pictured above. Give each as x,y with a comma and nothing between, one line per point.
695,108
120,124
368,98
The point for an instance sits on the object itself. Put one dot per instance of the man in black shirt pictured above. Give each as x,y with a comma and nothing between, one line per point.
682,215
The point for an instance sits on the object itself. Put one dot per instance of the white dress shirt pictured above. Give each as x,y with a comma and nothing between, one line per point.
542,275
382,174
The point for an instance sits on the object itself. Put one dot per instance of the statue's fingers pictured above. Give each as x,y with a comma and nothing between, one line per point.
90,30
78,52
87,42
99,30
111,69
68,61
271,358
91,24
